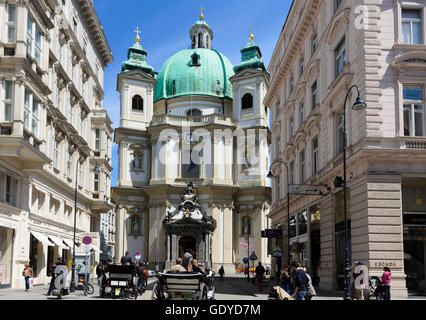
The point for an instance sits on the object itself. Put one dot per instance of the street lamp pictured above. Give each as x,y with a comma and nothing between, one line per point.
358,105
270,176
96,170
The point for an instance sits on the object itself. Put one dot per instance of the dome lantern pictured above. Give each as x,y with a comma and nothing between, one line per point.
201,34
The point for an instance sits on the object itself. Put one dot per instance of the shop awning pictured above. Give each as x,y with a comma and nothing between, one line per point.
58,241
69,242
7,225
96,248
42,238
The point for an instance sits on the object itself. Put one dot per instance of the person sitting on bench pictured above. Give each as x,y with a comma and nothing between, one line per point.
178,266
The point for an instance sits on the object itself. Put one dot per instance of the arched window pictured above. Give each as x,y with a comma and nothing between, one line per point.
200,41
193,113
247,101
193,42
137,103
207,42
246,225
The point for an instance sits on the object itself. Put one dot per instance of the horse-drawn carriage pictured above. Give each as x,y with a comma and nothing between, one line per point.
121,281
183,285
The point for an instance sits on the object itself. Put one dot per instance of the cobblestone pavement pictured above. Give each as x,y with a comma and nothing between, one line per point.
234,287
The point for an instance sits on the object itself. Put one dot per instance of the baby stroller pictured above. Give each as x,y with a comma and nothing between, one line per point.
374,288
278,293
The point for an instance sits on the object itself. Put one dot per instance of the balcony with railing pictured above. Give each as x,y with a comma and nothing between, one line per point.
193,121
417,143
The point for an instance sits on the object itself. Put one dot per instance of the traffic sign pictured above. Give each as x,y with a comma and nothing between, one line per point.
158,252
87,240
246,260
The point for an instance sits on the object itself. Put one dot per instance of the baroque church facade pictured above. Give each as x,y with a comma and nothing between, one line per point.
194,153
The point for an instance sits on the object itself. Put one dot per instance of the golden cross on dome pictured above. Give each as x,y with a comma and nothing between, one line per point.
137,34
251,36
201,14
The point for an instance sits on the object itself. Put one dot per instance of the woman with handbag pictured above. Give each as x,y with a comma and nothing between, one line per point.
28,274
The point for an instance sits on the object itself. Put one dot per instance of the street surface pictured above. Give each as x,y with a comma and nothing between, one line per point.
232,288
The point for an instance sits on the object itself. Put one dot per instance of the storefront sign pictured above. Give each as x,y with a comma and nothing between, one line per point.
381,264
272,233
302,189
415,219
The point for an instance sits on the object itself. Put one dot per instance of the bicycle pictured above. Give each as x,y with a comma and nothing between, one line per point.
88,289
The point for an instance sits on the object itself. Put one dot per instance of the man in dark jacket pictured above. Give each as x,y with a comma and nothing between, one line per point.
126,259
300,281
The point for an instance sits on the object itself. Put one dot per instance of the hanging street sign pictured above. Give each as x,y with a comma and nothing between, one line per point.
277,253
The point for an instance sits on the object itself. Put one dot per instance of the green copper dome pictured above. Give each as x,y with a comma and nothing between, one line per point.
198,71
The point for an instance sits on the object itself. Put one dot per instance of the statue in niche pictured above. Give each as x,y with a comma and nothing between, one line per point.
137,160
134,224
246,225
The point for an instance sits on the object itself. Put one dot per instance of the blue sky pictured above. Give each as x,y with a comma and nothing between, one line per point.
165,30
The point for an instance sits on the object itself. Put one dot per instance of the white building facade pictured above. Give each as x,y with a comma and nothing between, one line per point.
54,132
324,48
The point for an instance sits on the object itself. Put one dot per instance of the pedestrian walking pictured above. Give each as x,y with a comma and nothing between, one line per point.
310,290
59,262
386,283
300,281
285,279
52,280
28,275
259,271
100,271
221,273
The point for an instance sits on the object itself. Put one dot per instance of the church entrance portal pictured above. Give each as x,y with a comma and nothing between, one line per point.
185,244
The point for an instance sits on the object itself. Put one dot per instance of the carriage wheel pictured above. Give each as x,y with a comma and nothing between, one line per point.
156,293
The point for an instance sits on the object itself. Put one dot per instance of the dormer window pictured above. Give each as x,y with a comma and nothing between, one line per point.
195,59
137,103
247,101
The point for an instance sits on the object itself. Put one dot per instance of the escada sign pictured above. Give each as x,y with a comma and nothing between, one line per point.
381,264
